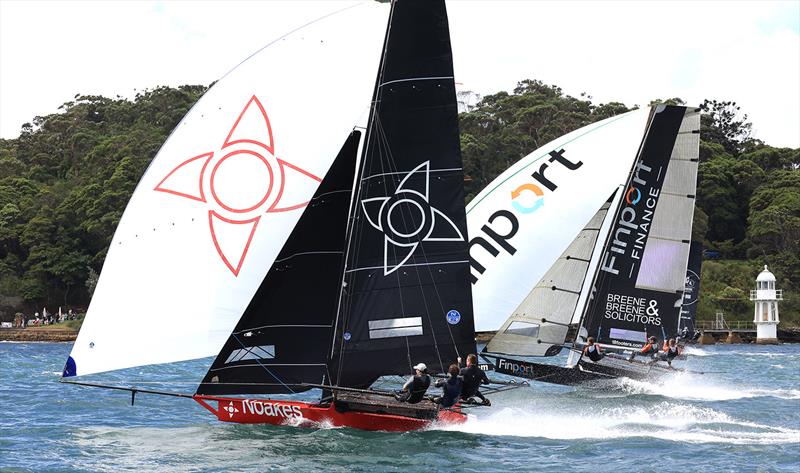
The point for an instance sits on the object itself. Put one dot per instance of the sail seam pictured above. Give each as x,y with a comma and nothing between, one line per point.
408,265
415,78
261,365
406,172
281,326
302,253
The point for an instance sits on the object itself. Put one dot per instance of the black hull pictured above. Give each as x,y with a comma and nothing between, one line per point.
586,372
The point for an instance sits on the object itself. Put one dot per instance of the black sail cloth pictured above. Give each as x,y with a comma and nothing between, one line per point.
283,337
406,296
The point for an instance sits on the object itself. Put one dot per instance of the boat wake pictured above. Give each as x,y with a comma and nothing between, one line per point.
695,351
666,421
690,387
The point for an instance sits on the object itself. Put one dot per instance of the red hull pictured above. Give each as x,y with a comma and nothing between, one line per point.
268,411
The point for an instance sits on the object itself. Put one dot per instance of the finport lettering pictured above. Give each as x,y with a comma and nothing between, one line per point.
503,224
515,368
632,228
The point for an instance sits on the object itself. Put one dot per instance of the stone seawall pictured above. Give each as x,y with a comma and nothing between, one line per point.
37,335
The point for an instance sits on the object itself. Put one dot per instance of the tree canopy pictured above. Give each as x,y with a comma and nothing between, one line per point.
65,181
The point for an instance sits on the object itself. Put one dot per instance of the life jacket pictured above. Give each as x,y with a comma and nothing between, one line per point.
473,378
649,348
418,387
672,352
593,352
451,390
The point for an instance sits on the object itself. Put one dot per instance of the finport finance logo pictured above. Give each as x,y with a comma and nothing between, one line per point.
526,199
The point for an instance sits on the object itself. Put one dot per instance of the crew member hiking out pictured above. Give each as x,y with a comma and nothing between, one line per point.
473,377
451,388
650,349
416,386
592,350
671,351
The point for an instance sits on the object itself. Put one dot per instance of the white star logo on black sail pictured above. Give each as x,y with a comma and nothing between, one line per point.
407,218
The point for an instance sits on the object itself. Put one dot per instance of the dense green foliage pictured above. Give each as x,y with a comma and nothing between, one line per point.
65,182
63,186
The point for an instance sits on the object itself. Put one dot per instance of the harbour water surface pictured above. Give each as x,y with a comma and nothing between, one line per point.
744,415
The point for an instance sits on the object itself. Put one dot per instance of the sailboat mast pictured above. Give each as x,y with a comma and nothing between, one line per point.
336,335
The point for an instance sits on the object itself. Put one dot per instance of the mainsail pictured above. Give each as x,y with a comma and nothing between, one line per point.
282,340
406,296
212,211
639,285
691,291
539,326
546,197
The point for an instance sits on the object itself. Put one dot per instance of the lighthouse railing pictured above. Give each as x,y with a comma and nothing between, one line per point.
766,294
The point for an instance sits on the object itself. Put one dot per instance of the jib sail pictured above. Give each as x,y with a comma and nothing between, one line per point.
283,338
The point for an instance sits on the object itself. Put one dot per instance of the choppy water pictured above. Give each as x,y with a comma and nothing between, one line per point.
743,417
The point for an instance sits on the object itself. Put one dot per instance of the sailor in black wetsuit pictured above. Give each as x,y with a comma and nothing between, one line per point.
473,377
671,351
451,388
416,386
592,351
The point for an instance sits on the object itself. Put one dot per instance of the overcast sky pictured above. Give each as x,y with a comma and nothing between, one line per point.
631,52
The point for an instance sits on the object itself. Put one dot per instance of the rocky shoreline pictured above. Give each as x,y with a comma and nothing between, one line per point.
33,334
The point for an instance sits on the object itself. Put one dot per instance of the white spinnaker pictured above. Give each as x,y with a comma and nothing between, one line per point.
606,150
214,208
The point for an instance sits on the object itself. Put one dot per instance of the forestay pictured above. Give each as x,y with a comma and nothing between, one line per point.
214,208
527,216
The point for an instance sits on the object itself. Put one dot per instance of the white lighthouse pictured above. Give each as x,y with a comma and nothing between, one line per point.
766,298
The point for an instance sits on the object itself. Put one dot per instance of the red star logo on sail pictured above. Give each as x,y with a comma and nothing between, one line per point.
239,183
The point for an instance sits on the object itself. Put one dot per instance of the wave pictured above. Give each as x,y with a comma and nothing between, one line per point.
695,351
690,387
665,421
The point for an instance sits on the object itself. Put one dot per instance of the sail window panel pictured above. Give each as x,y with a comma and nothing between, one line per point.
629,335
525,329
263,352
527,344
673,218
681,178
663,265
390,328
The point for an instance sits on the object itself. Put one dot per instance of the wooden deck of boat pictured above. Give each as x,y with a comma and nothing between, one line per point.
385,404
